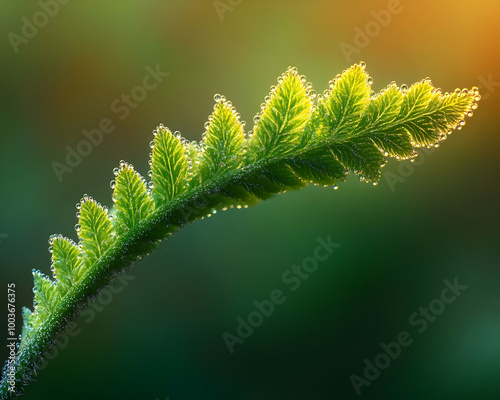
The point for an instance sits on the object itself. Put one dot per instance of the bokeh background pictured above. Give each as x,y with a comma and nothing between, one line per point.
161,336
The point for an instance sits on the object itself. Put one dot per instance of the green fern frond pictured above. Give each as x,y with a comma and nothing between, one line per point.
298,137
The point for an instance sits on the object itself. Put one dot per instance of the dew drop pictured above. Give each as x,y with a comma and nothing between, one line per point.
52,238
362,64
112,184
78,227
152,144
150,173
335,187
78,206
370,80
151,185
238,207
256,119
78,214
217,97
404,88
116,171
177,134
122,164
207,125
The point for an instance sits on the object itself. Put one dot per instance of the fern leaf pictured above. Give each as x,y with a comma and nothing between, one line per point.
223,142
66,262
94,230
169,165
279,127
132,201
298,138
378,118
46,294
338,112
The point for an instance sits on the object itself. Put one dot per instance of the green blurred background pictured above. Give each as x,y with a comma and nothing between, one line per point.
161,336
